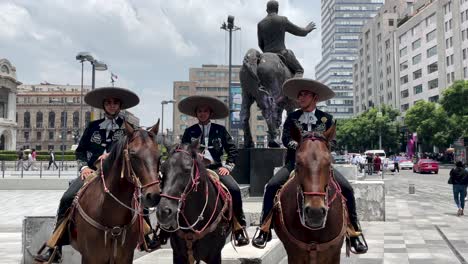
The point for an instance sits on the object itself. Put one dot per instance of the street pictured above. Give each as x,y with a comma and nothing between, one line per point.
419,228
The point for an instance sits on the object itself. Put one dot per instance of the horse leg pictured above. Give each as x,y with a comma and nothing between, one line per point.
216,259
247,101
272,130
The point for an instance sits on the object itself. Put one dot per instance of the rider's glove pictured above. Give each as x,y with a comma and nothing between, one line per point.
229,166
293,144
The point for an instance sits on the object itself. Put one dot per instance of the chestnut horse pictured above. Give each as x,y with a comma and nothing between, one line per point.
107,222
310,213
195,207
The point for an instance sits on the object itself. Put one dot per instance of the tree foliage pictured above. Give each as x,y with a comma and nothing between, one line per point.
454,102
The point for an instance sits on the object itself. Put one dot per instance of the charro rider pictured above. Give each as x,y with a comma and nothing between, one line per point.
308,93
214,140
271,32
95,144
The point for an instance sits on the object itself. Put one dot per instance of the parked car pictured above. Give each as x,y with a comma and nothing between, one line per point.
405,164
339,159
426,165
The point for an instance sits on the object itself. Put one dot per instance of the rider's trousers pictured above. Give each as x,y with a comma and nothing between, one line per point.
282,176
235,192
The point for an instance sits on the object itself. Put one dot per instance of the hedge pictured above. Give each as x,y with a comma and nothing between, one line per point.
39,157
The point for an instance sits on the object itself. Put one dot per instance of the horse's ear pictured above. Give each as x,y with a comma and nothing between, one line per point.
331,132
195,145
154,129
296,134
128,128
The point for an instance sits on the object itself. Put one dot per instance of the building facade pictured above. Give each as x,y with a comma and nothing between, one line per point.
8,89
375,76
342,22
212,80
48,116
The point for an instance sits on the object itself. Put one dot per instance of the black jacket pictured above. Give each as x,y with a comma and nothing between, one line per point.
271,31
324,122
219,139
458,175
94,142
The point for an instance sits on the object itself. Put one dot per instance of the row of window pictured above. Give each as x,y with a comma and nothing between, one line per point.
51,135
63,117
419,88
434,99
43,100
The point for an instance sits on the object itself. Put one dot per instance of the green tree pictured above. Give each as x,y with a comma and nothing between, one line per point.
454,100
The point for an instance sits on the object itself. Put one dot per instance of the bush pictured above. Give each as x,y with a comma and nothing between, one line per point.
58,157
8,156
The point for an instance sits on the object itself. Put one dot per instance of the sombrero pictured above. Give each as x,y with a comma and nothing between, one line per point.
96,97
189,106
293,86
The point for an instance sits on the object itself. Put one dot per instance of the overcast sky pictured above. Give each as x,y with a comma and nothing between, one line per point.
147,44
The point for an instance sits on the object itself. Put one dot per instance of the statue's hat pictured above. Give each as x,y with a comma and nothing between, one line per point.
96,97
190,104
293,86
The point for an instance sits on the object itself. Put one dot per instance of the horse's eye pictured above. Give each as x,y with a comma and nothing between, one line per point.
132,153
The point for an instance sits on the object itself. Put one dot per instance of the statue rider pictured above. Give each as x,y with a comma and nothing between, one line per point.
271,32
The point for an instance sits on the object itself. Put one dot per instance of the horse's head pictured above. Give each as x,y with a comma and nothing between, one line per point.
181,175
313,170
141,162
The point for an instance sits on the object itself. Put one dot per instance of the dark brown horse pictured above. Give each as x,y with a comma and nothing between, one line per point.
310,214
194,207
107,219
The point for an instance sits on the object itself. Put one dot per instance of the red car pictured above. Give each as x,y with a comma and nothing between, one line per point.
426,165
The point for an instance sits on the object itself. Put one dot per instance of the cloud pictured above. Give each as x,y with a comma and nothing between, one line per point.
148,44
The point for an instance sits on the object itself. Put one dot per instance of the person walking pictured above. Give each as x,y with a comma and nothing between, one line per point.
20,154
459,180
52,159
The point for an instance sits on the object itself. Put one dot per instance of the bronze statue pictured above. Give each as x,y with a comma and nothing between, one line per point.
262,75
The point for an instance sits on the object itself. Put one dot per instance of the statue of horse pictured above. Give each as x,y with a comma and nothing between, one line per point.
194,206
262,77
107,217
310,216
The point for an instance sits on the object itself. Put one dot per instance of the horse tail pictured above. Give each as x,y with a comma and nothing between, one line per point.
251,59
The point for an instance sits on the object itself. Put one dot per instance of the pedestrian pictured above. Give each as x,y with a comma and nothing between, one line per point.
459,180
52,159
20,154
370,162
396,159
377,164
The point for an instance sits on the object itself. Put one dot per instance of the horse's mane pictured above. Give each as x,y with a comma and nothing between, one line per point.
194,154
116,153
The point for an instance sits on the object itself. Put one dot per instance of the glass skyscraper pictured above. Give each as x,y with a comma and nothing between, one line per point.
342,21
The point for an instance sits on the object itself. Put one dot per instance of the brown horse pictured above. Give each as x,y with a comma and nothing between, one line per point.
107,217
310,214
196,208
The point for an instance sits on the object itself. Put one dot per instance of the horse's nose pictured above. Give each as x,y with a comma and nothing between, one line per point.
153,198
315,212
166,212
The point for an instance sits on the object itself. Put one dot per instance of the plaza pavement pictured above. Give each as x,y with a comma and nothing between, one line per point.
414,230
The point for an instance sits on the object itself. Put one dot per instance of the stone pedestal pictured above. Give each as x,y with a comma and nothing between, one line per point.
370,200
257,167
348,171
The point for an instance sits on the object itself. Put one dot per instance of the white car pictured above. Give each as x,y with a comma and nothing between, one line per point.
405,164
389,165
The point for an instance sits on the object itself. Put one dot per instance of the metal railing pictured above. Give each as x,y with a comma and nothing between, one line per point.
38,169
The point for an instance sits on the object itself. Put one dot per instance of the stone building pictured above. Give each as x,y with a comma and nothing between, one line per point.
8,88
48,116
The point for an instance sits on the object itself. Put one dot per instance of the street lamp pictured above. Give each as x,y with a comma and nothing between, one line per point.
162,112
230,27
82,57
97,66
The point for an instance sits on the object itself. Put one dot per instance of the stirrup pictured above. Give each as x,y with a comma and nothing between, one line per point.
349,248
351,232
52,256
244,232
262,246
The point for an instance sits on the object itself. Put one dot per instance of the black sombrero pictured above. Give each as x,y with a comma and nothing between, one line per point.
293,86
189,106
96,97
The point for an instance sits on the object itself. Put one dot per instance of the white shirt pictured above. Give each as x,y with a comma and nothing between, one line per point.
205,134
308,118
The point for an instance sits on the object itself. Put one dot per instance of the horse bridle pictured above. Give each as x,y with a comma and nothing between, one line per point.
325,194
189,188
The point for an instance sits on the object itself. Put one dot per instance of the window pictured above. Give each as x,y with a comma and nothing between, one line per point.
417,74
404,94
416,59
404,79
27,120
38,147
417,89
183,127
183,117
433,84
87,117
430,19
404,107
448,43
390,22
432,68
431,35
434,99
39,118
26,135
404,65
50,147
51,135
63,119
416,44
448,25
183,88
465,72
51,119
403,52
39,135
260,128
431,52
464,53
76,119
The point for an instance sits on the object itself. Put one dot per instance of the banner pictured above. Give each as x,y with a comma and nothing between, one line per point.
235,105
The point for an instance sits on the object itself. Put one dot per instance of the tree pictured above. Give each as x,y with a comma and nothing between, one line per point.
454,102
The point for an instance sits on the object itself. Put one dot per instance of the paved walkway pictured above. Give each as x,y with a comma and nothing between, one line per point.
414,230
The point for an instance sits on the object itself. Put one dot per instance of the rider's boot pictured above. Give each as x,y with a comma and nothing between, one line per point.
240,237
46,256
262,239
355,233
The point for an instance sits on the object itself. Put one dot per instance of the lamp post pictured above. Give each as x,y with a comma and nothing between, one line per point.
162,112
82,57
229,27
97,66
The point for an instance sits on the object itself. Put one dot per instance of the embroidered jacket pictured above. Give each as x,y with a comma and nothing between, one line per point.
324,122
219,141
94,142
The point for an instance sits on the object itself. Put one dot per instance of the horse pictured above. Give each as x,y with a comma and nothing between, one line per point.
107,215
199,229
262,77
312,225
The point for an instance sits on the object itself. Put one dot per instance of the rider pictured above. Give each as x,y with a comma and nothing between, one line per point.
308,93
95,144
271,32
214,140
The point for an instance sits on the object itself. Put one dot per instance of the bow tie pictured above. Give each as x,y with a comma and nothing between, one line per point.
109,124
308,118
